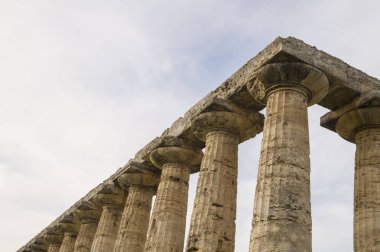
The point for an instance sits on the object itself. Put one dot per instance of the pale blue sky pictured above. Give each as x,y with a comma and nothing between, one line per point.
85,84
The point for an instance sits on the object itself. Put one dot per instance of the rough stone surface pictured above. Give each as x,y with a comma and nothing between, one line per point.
362,126
135,218
68,242
212,226
88,214
167,225
112,198
282,215
346,83
54,247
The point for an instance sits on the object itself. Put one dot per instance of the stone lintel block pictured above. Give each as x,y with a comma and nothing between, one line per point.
88,212
237,124
134,166
179,155
355,120
111,195
138,179
293,75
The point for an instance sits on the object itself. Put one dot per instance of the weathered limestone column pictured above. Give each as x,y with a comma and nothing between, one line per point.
54,239
112,199
282,214
39,245
135,218
362,126
69,228
167,225
212,226
88,213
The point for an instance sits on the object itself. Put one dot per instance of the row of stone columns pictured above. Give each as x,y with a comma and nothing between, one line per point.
282,209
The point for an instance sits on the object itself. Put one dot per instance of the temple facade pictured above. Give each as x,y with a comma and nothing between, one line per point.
286,78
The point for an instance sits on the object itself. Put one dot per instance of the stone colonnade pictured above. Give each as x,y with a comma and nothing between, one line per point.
120,218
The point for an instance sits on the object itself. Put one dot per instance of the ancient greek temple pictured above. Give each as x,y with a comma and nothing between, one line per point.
286,77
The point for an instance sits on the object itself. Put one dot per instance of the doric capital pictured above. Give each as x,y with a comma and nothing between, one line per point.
88,212
355,120
234,123
110,195
289,75
39,245
179,155
53,235
69,225
138,179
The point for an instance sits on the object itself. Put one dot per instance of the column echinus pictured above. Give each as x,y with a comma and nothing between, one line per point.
282,211
111,198
167,225
212,226
54,239
69,227
135,218
88,213
362,127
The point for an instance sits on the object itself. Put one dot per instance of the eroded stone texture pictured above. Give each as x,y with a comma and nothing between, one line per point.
135,218
88,213
212,226
362,126
112,199
282,214
68,242
54,247
167,225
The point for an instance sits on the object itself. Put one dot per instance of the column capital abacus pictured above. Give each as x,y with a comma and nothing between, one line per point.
356,120
88,212
289,75
138,179
53,235
242,126
69,225
178,155
110,196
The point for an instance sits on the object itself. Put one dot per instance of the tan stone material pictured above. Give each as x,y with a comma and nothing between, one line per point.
167,225
112,199
362,126
135,218
282,214
54,247
88,213
54,239
68,242
212,226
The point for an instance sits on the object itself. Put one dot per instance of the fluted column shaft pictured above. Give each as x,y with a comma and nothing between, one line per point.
85,237
54,247
135,219
282,210
167,226
282,215
212,225
68,242
112,198
106,233
362,127
367,191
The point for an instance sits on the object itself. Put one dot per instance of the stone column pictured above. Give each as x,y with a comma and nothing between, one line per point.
282,214
362,126
135,217
54,239
167,225
112,199
88,213
70,232
212,226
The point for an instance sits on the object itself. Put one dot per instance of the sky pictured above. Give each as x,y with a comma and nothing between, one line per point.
85,84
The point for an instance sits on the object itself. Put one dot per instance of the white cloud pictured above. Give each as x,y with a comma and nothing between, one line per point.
85,84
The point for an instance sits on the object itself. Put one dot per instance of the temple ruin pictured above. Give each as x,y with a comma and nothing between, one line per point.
286,77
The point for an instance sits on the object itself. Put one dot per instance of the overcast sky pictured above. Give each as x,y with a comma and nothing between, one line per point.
85,84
